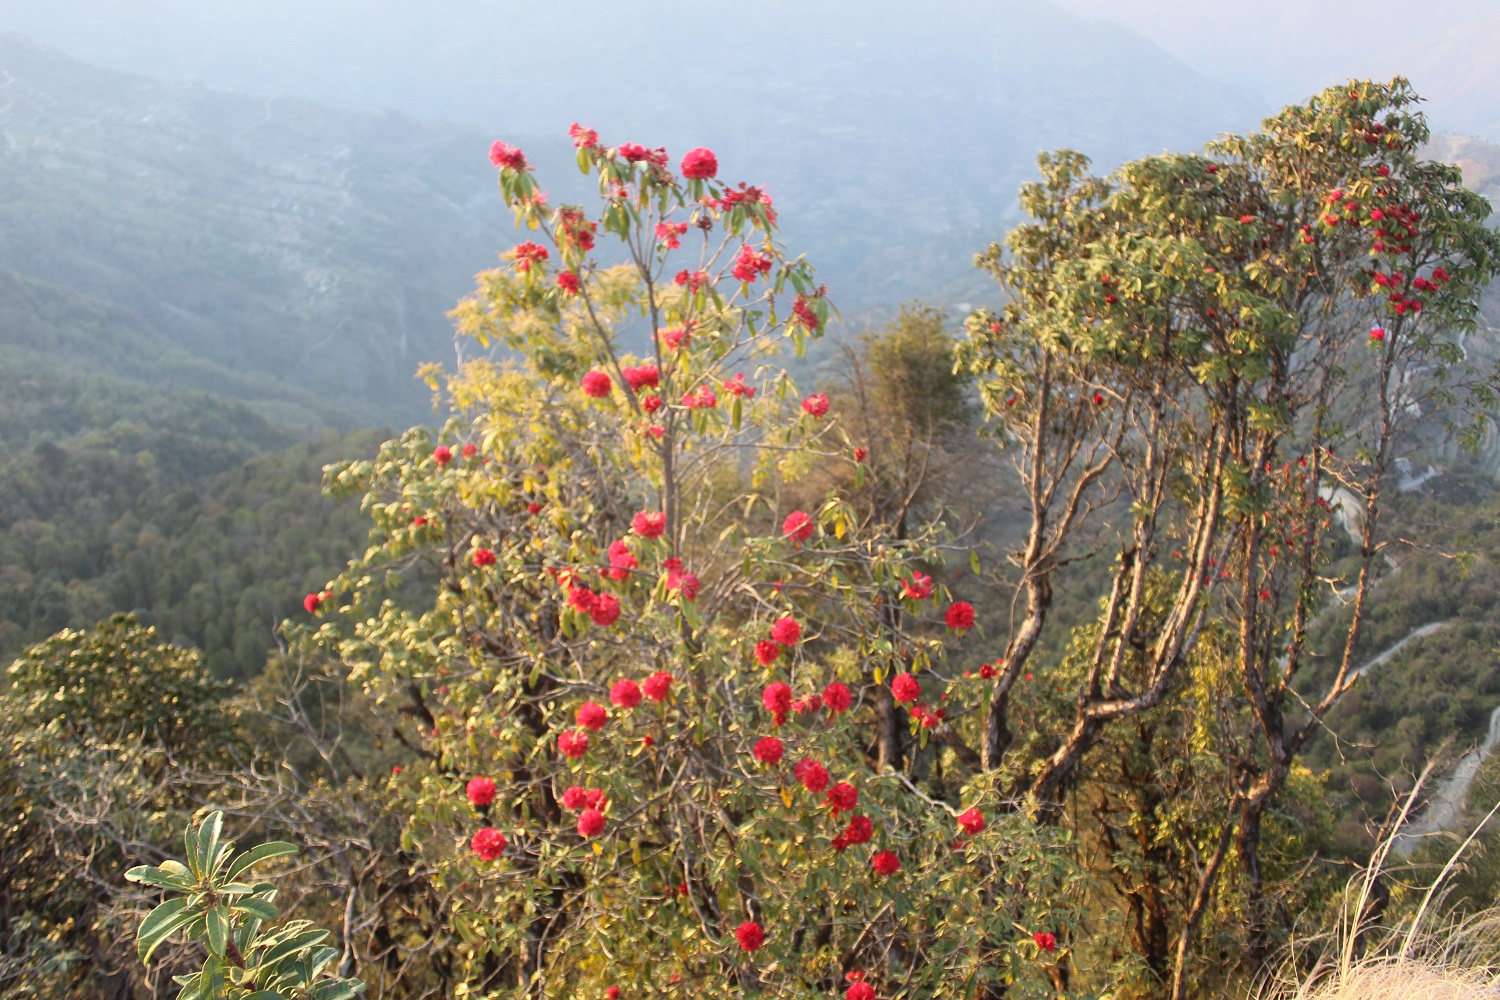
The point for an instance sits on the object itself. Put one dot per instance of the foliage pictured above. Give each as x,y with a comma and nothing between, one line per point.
210,899
613,529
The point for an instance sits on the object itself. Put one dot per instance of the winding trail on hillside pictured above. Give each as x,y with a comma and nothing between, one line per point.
1446,807
1399,645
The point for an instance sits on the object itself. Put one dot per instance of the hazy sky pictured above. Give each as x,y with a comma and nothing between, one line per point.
1287,49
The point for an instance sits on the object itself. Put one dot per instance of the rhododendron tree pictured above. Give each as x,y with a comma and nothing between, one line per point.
1186,380
677,678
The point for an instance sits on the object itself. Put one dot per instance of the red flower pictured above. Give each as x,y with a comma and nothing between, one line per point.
972,821
814,776
310,602
860,991
904,688
693,280
505,156
960,615
750,936
592,716
766,652
836,698
590,823
804,313
484,557
481,791
699,164
987,671
636,153
860,454
786,631
583,138
576,797
657,686
582,599
670,233
701,398
797,526
597,384
886,863
1098,398
488,843
842,797
533,508
645,377
1045,940
749,265
859,830
621,560
626,693
573,744
613,993
1245,220
815,405
528,253
649,524
777,697
919,587
676,337
419,521
568,282
684,583
1377,333
605,609
768,750
651,404
442,454
737,387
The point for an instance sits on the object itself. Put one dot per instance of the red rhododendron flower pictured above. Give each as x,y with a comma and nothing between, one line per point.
651,404
568,282
699,164
860,991
693,280
310,602
605,610
786,631
972,821
488,843
470,450
626,693
768,750
815,405
797,526
750,936
701,398
988,671
886,863
590,823
484,557
1377,333
645,377
1045,940
814,776
904,688
505,156
919,587
1245,220
533,508
777,697
859,830
960,615
592,716
573,744
418,522
582,599
481,791
842,797
670,233
737,387
528,253
442,454
621,560
597,384
657,686
804,313
576,797
749,265
766,651
613,993
860,454
649,524
636,153
583,138
836,698
675,337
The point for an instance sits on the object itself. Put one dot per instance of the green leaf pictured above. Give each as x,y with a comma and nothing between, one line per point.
160,877
254,856
160,924
217,920
208,843
262,908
